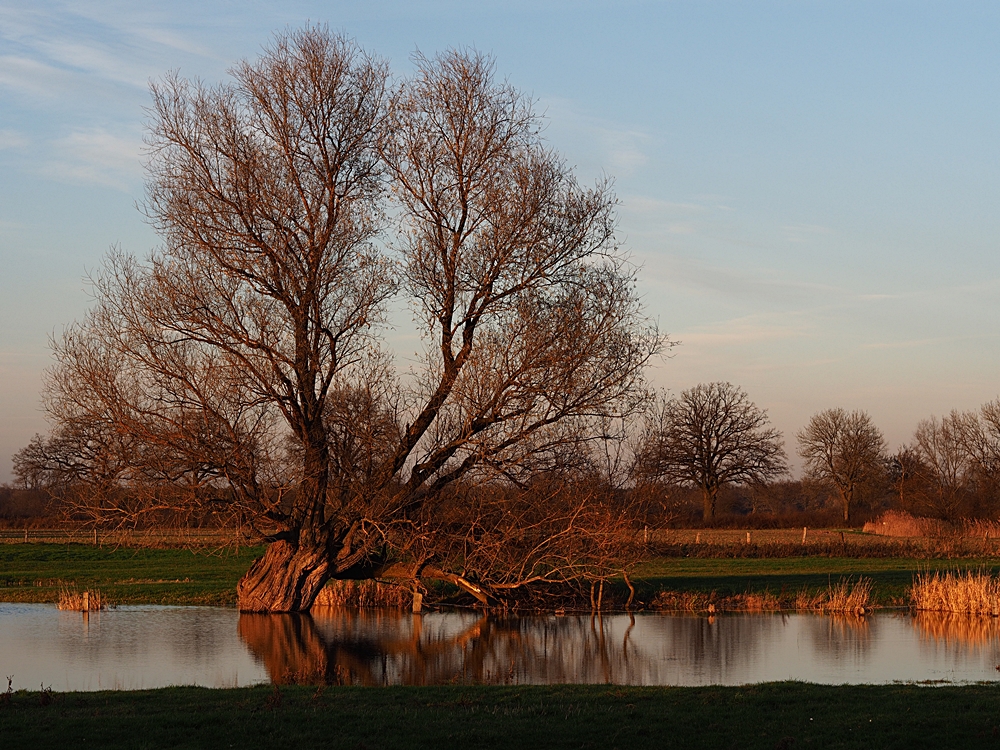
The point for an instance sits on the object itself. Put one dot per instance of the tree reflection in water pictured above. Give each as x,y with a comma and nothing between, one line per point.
373,647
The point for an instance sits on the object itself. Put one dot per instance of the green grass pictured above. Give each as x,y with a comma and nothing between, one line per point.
34,572
777,715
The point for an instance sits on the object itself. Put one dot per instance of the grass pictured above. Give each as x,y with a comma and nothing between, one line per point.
36,573
74,600
970,592
777,715
785,577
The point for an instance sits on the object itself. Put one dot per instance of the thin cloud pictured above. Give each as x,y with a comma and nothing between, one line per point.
11,139
98,157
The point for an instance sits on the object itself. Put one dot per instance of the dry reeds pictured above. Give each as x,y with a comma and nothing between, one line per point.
80,601
981,528
367,593
901,523
971,592
846,597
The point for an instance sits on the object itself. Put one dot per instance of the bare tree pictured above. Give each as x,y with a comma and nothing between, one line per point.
941,445
246,354
710,436
845,449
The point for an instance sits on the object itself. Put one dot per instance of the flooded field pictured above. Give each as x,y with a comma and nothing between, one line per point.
144,647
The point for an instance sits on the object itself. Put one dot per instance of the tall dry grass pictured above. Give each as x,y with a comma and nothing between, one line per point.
365,594
846,597
80,601
971,592
981,528
901,523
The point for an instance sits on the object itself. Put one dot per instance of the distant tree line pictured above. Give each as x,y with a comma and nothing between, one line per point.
705,456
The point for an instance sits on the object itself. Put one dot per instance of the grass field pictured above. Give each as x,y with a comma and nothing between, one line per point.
777,715
34,572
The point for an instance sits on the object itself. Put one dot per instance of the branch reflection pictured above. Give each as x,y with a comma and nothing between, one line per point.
380,647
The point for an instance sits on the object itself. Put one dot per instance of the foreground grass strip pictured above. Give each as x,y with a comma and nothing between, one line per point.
782,715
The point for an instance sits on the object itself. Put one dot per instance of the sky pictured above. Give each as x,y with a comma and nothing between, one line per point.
809,189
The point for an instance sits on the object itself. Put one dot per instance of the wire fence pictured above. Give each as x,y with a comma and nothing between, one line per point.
164,537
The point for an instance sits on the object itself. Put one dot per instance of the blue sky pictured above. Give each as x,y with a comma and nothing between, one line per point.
811,188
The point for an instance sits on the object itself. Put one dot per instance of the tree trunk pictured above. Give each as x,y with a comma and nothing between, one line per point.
845,499
286,579
708,504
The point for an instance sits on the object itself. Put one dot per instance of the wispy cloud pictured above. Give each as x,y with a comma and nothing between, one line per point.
97,156
12,139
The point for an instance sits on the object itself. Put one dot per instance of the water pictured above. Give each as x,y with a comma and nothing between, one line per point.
145,647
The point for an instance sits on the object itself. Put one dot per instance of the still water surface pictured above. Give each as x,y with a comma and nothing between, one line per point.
145,647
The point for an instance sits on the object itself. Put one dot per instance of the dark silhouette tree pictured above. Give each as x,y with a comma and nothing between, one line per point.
845,449
710,436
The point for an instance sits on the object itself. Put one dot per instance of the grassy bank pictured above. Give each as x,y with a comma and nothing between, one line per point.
34,573
778,715
890,576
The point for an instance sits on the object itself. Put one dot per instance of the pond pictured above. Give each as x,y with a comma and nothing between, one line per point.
146,647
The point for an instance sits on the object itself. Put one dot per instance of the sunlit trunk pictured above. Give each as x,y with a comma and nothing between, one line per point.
286,579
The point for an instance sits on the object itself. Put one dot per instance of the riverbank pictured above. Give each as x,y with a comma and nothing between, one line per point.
775,715
35,572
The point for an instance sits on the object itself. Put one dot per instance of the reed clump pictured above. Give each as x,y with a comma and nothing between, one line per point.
364,594
80,601
848,596
902,524
971,592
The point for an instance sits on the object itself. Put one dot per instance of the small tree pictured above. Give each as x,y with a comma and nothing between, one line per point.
845,449
710,436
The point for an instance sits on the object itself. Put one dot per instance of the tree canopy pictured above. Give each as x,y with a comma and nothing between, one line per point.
243,365
710,436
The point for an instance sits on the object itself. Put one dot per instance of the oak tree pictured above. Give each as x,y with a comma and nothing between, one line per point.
710,436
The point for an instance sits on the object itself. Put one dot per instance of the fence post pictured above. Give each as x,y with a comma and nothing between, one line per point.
803,534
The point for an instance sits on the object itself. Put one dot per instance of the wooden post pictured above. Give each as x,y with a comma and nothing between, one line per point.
418,602
803,534
95,536
26,535
86,601
748,537
645,535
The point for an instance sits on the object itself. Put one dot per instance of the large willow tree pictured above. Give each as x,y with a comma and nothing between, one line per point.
243,363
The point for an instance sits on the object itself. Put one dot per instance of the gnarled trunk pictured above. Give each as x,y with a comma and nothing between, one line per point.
286,579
